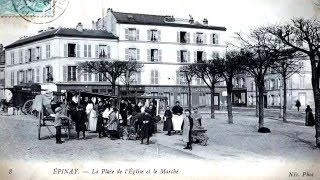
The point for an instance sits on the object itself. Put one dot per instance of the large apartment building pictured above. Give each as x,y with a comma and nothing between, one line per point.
163,44
51,56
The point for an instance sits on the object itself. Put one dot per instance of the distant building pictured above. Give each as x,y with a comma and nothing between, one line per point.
163,44
299,87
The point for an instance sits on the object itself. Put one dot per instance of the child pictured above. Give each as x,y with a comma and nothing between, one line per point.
58,123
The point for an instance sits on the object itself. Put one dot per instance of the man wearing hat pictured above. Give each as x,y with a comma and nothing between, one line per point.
80,121
177,119
58,123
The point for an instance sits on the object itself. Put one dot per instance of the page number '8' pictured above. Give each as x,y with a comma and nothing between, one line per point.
10,171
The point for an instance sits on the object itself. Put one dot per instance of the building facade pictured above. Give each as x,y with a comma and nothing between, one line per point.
299,87
163,44
52,55
2,71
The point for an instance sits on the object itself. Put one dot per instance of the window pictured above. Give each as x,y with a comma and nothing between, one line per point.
272,100
154,77
101,78
21,56
132,54
200,81
71,73
47,74
181,78
214,38
20,77
87,50
183,37
183,56
104,51
154,55
29,75
12,57
70,50
48,54
199,56
154,35
38,75
12,78
199,38
301,66
38,53
136,78
202,99
183,98
301,82
132,34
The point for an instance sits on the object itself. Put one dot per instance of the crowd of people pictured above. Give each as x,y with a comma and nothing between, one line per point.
105,119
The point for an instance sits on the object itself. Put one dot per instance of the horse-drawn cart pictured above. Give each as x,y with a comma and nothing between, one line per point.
199,134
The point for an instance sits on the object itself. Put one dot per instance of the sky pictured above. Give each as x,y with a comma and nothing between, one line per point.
235,15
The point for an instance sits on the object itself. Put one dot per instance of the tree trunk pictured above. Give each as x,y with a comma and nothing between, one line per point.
212,101
127,89
257,102
284,100
189,95
316,94
113,86
229,103
261,105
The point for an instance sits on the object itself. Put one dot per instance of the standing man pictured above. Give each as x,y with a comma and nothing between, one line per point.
58,123
177,119
187,128
80,121
123,112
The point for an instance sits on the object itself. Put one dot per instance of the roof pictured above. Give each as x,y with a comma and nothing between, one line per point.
64,32
159,20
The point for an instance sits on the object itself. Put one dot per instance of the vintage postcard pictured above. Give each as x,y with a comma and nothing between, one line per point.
171,89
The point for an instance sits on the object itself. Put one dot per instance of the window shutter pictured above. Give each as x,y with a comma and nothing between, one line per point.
89,51
96,77
79,72
160,55
139,78
149,35
159,35
18,77
65,46
78,50
194,37
178,36
217,39
204,55
188,37
204,39
127,54
109,52
178,56
138,54
51,71
188,56
33,54
157,77
177,77
85,50
25,76
26,55
195,56
40,52
126,34
97,51
44,75
65,73
211,39
32,76
149,55
152,77
137,34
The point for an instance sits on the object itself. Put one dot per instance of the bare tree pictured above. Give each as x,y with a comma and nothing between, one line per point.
111,70
228,67
303,35
259,59
208,71
131,69
188,74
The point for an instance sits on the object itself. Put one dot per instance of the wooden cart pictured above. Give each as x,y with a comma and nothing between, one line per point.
199,135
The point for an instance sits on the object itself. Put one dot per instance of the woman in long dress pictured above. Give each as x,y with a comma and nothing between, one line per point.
167,125
92,117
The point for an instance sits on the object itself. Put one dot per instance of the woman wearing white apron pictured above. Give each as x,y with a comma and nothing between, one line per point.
92,116
177,117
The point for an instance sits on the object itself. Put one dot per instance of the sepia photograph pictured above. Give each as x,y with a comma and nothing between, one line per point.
171,89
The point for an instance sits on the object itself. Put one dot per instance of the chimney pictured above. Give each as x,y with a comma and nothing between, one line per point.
205,21
109,10
191,21
1,47
79,27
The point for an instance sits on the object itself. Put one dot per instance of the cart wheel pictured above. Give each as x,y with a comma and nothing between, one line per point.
27,107
203,139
